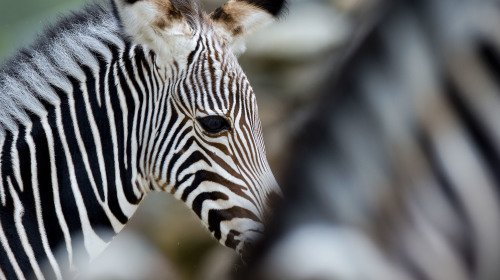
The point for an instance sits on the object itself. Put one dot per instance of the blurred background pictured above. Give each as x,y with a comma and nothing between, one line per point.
381,123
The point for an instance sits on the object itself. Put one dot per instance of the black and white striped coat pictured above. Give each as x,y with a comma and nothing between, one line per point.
118,100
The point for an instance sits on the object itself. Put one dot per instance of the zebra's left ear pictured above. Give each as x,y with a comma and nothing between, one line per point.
165,26
238,18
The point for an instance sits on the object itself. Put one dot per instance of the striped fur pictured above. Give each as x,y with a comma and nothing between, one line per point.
93,117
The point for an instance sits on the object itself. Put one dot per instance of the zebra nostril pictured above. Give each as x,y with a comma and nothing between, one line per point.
231,241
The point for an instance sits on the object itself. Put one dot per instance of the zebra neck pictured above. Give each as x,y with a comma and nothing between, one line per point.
75,137
71,175
97,137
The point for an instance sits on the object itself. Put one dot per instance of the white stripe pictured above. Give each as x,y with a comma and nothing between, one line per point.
96,135
83,152
97,142
38,208
2,187
127,208
134,140
10,254
158,151
15,161
247,175
18,221
55,191
2,275
124,108
93,243
156,111
176,143
142,90
146,131
170,138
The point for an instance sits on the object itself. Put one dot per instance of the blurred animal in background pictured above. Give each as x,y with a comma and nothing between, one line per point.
395,173
118,100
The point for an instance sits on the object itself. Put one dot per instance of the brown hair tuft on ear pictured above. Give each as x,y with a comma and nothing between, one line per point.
239,18
220,15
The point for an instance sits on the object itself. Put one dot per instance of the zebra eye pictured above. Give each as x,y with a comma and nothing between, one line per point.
214,124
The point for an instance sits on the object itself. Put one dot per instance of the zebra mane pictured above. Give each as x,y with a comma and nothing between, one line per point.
66,44
67,25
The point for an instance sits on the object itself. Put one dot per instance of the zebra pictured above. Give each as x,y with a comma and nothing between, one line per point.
118,100
400,154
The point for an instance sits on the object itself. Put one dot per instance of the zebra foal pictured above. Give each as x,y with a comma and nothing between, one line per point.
120,99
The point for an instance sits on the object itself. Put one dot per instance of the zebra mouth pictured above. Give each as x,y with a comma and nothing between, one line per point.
249,251
246,244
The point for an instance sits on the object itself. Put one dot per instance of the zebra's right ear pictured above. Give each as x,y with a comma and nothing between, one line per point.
159,24
238,18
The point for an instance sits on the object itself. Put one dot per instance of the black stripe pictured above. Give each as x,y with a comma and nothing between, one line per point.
7,214
206,176
231,242
215,217
85,130
29,219
96,214
43,168
193,53
141,64
5,265
112,192
198,201
195,157
66,196
214,79
168,149
206,63
158,142
127,173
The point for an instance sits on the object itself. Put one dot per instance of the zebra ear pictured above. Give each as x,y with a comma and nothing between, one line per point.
155,22
238,18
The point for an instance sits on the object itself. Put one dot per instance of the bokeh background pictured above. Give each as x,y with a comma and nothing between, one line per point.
286,64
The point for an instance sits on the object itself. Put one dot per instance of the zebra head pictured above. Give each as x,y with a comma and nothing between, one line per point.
207,148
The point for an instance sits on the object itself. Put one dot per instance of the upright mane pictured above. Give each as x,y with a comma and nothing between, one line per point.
23,85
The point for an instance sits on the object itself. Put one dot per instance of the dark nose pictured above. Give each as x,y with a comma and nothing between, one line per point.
247,252
274,200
